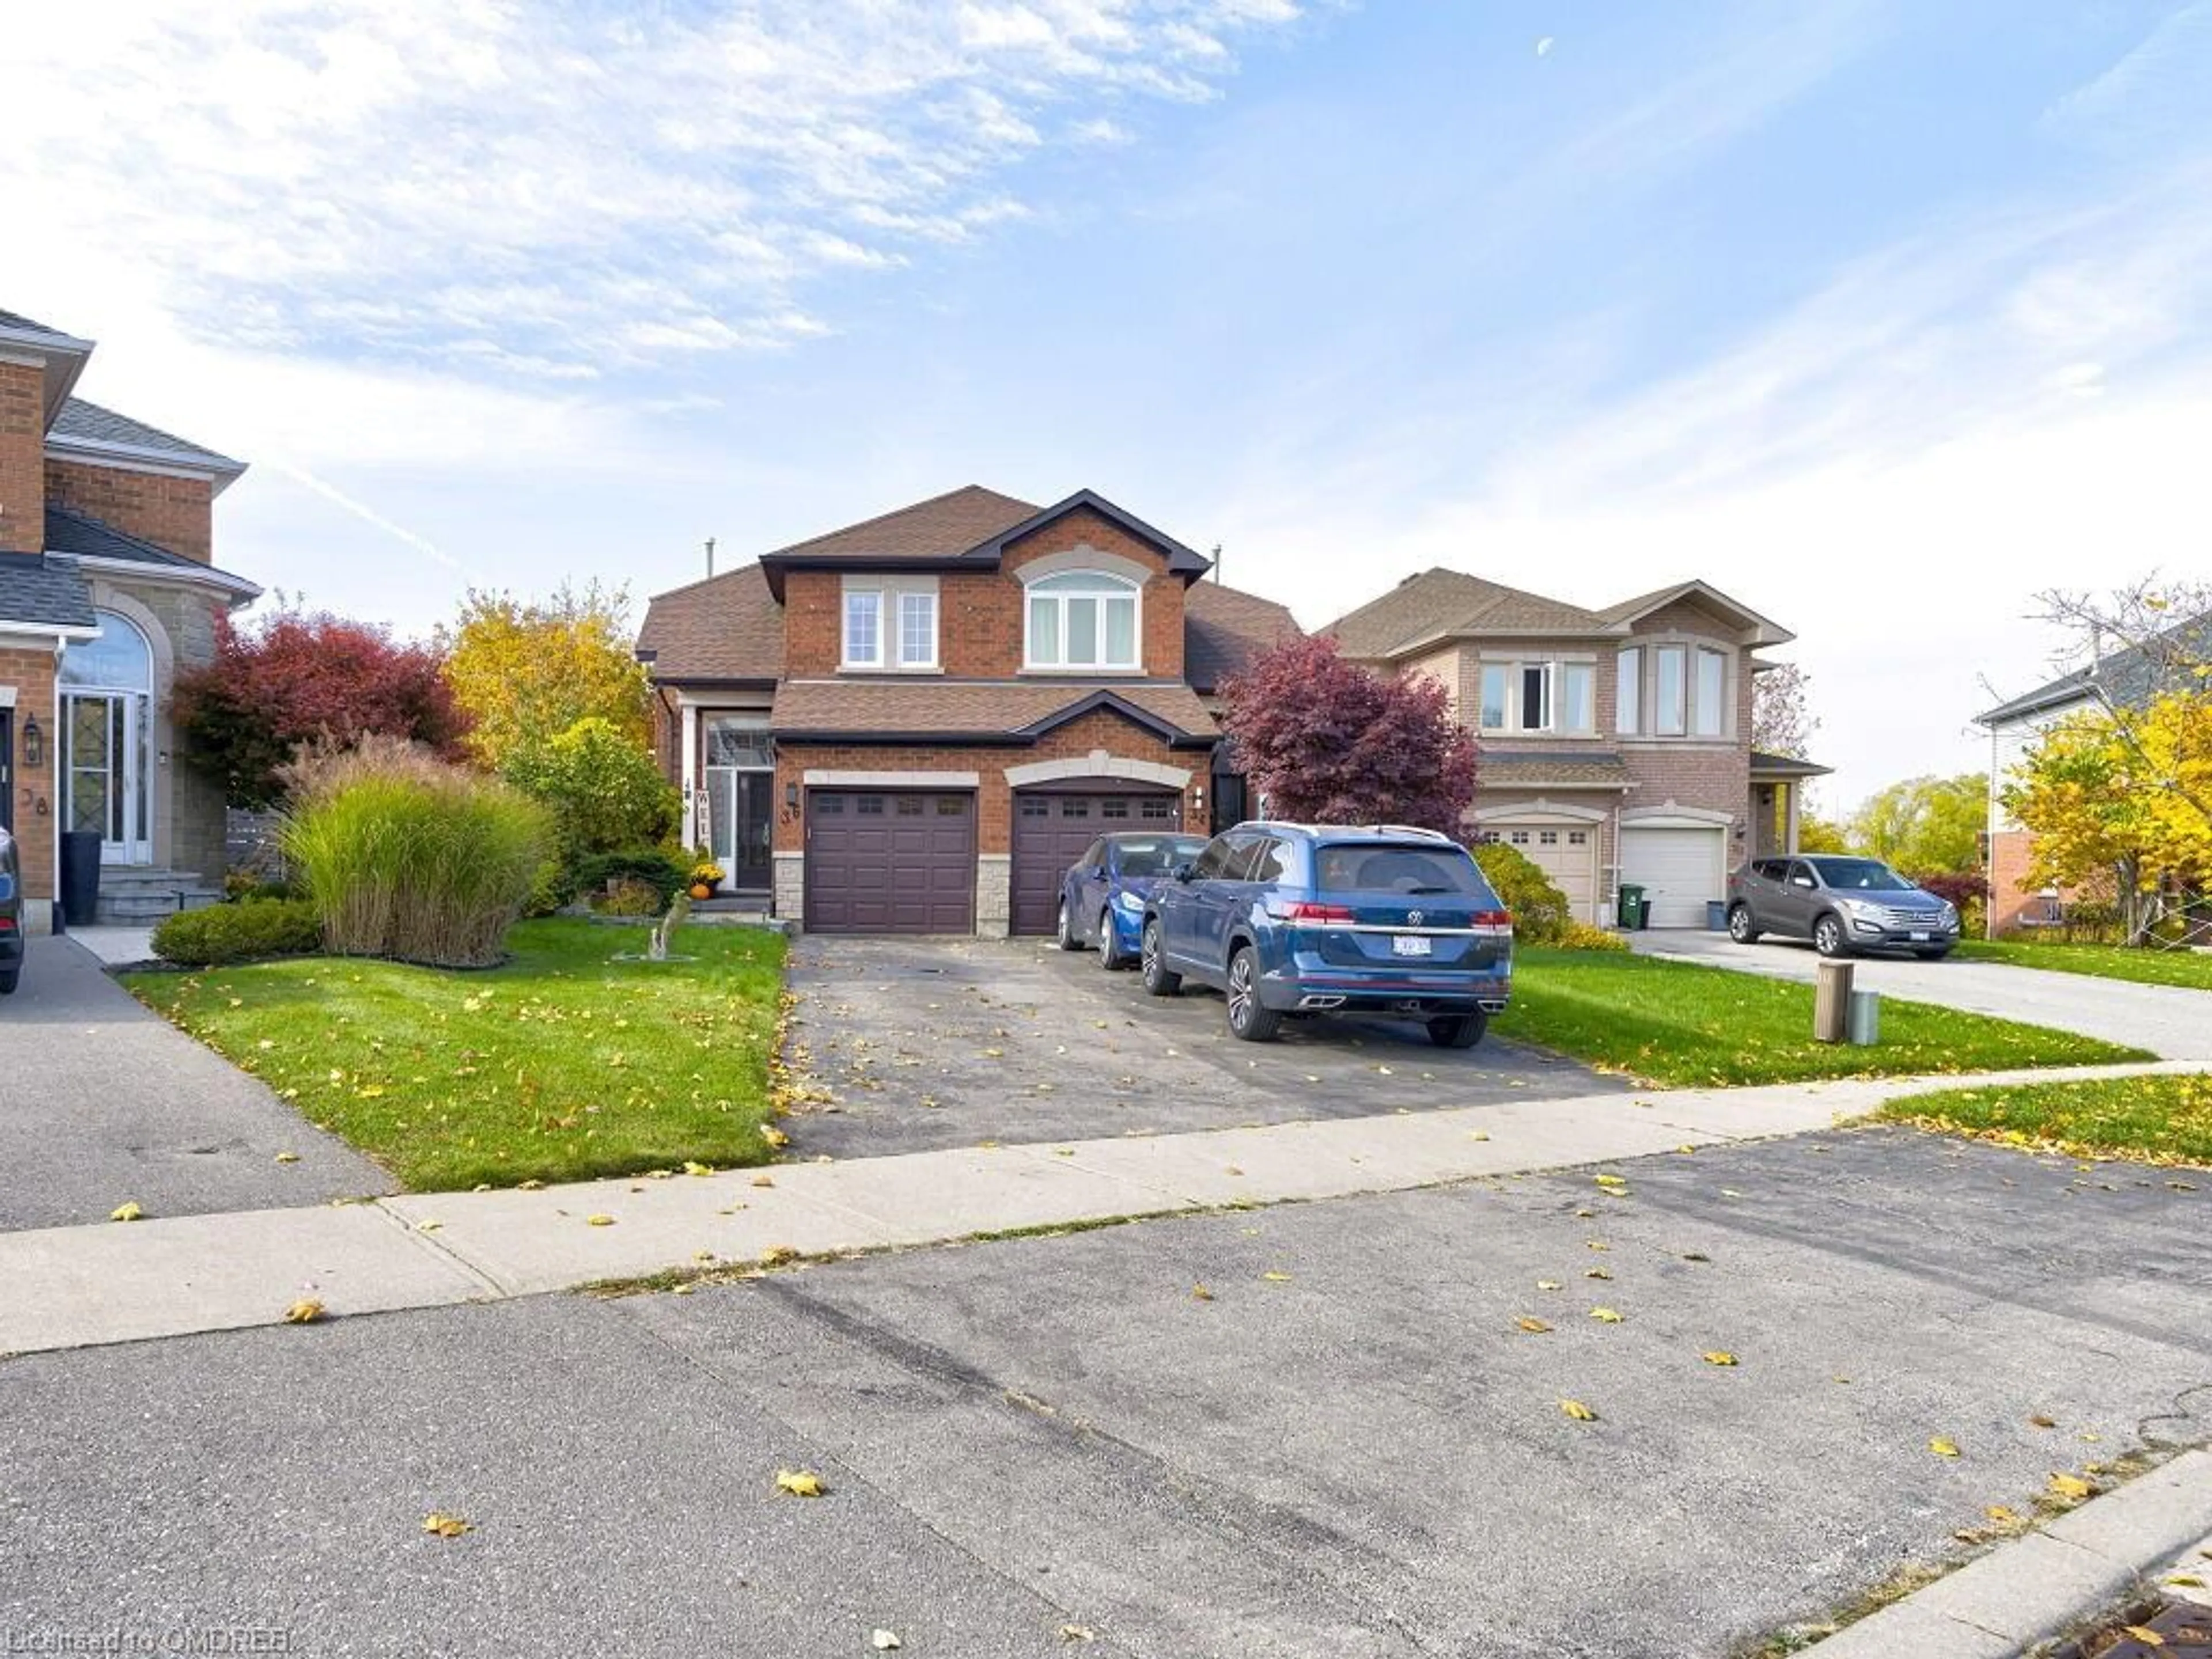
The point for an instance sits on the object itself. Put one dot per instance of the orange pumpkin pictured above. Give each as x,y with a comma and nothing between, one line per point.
700,889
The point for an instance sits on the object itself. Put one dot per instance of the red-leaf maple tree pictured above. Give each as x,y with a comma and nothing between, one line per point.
1327,741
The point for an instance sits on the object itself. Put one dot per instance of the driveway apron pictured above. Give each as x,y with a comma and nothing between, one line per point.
103,1103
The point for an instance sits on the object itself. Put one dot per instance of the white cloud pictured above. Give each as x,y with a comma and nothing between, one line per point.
522,173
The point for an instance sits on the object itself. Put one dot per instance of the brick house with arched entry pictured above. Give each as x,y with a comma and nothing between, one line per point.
108,589
915,723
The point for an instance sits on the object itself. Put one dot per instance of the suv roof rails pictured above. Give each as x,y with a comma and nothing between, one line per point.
1409,829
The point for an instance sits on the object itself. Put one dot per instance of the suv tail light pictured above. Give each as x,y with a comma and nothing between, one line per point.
1497,924
6,924
1301,910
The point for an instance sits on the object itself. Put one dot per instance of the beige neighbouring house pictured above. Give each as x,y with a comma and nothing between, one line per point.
1615,743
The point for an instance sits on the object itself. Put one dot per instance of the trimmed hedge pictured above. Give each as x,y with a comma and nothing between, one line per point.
1540,910
251,928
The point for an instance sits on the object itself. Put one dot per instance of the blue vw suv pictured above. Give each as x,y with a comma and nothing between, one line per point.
1289,919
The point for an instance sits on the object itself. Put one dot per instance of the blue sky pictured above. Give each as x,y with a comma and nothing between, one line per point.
1879,316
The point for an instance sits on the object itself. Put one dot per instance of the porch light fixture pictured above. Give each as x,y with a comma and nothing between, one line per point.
791,796
34,744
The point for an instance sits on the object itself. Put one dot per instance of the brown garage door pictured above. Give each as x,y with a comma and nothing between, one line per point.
890,862
1051,830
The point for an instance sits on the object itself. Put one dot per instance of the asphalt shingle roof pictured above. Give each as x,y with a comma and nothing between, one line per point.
33,591
16,320
725,628
2128,677
941,527
94,424
1439,602
967,708
1225,628
70,532
1529,771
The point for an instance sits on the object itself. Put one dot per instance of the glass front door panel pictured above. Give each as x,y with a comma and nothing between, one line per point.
92,759
105,775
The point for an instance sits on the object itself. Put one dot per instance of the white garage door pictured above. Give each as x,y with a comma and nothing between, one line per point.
1678,869
1567,853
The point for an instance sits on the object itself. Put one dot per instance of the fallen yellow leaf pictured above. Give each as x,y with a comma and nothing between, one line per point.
287,1157
2071,1485
691,1167
764,1181
1534,1327
776,1254
1943,1447
1718,1357
799,1483
2043,1422
2002,1515
444,1525
1576,1410
1605,1316
774,1136
882,1641
1547,1284
2144,1634
1276,1278
598,1221
130,1212
1199,1293
532,1185
305,1311
1596,1273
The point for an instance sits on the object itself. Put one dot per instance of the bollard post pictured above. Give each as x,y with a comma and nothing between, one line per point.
1832,1002
1863,1029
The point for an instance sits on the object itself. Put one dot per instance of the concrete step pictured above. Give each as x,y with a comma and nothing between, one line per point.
128,878
139,903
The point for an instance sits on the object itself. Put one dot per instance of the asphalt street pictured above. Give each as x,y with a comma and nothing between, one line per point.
1347,1447
919,1044
103,1101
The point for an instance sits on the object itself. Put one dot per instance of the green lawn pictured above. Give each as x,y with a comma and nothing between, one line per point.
561,1066
2144,966
2153,1120
1674,1023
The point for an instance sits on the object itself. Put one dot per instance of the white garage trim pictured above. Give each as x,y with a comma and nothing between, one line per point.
1671,816
824,778
1097,764
1573,869
1540,808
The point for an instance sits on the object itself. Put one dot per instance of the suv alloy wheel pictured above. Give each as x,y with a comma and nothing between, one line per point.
1741,928
1828,936
1248,1019
1159,981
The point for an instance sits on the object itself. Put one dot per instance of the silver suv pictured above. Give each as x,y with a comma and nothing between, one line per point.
1842,904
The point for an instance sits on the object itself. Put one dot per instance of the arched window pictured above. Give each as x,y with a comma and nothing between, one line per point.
1081,619
119,660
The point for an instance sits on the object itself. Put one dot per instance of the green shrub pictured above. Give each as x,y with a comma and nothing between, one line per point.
596,872
604,787
1540,910
407,856
1581,936
252,928
626,895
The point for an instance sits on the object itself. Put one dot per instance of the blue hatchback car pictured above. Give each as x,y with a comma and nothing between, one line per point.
1101,896
1292,920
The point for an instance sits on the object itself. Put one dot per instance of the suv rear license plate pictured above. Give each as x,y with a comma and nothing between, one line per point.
1409,945
1917,938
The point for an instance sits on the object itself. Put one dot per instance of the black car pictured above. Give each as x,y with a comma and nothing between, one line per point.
11,916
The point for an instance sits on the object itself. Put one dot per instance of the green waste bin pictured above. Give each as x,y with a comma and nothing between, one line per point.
1630,911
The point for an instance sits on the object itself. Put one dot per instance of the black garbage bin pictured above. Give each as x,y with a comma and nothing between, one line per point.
79,884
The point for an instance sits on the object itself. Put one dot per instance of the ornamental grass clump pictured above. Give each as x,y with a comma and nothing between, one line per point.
407,856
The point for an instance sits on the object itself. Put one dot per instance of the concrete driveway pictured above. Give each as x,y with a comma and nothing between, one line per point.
103,1101
2172,1022
1350,1449
933,1043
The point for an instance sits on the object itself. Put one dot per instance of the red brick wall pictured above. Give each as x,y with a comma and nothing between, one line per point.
2011,892
177,513
979,615
22,457
30,669
995,823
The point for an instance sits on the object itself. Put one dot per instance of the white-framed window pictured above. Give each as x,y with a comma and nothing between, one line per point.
917,640
1081,619
863,628
1672,690
1538,697
1708,711
1670,693
890,623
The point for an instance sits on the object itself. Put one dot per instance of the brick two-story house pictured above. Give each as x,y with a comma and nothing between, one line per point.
1615,744
107,588
915,723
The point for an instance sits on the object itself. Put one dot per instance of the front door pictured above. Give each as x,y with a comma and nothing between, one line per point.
739,820
103,774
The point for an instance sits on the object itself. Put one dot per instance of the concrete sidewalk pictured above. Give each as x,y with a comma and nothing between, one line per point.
77,1286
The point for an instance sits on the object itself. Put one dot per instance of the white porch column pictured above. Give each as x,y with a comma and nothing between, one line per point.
689,718
1795,790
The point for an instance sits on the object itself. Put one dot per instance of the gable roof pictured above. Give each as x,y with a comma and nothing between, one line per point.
725,628
13,322
2127,677
1438,603
976,711
36,591
1181,560
943,528
1225,628
98,431
81,536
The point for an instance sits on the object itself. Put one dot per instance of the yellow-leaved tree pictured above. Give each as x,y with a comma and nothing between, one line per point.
526,670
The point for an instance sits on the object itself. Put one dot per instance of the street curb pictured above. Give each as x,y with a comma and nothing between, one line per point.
2044,1582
